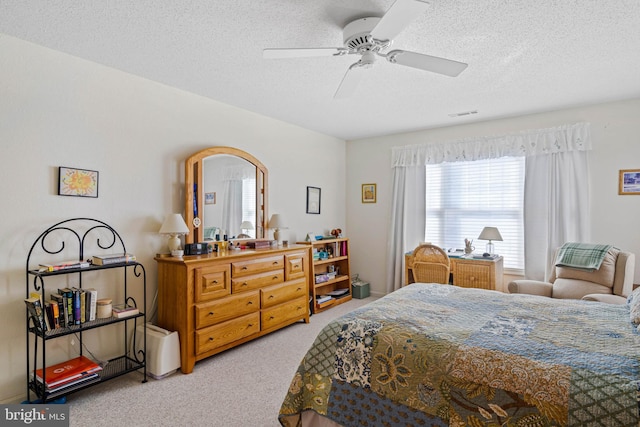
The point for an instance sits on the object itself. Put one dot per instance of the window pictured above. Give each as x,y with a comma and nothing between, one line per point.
464,197
249,203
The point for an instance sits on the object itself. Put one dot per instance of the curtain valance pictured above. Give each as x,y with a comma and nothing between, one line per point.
574,137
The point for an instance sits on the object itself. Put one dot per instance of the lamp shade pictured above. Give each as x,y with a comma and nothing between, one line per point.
276,221
246,225
174,224
490,233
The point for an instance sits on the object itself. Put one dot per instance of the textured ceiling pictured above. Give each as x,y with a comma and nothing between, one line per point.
524,56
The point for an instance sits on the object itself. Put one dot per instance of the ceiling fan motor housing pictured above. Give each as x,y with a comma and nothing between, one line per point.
356,33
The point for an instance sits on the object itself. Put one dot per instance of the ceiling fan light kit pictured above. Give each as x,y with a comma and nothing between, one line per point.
369,37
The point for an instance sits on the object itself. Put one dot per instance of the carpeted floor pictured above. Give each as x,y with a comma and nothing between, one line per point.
241,387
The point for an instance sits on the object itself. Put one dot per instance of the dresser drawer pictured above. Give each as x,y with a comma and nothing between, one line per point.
219,310
257,281
212,282
259,265
282,313
210,338
277,294
294,266
470,275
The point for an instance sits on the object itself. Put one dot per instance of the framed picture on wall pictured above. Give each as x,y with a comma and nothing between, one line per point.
77,182
629,181
313,200
368,193
210,198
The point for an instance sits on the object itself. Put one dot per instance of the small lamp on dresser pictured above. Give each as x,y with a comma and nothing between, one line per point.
490,234
245,227
174,227
277,223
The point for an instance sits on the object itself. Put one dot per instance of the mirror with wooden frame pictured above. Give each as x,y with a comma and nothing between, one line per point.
226,189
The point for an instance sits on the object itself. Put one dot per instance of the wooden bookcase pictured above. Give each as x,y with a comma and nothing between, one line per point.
327,255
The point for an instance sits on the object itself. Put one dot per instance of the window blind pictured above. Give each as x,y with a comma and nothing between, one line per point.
464,197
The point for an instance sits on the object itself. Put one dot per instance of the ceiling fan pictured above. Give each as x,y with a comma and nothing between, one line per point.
369,38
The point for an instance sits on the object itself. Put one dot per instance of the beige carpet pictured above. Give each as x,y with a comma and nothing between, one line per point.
244,386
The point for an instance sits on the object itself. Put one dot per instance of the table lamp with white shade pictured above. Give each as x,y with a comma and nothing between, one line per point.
277,223
490,234
245,227
174,226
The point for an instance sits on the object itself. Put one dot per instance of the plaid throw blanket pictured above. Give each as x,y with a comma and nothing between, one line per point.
581,255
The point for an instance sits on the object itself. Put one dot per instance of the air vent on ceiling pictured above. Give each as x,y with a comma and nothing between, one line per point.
464,113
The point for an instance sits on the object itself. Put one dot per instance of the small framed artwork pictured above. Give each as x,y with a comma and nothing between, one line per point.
77,182
210,198
368,193
629,182
313,200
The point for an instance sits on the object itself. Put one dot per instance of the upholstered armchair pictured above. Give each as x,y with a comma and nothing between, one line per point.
611,283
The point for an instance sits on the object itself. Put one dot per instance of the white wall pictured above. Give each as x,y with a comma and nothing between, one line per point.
57,110
615,130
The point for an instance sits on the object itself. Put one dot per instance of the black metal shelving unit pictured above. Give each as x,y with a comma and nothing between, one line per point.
56,240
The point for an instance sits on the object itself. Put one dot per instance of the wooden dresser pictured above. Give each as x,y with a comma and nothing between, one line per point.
219,301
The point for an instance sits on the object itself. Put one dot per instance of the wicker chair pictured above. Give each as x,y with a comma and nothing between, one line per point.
430,264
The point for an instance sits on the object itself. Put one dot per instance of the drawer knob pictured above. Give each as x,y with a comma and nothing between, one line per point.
271,296
275,262
215,282
244,268
244,284
211,313
299,289
210,339
271,317
275,277
250,303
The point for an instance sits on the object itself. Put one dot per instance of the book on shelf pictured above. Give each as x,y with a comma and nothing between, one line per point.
67,295
323,298
92,300
36,312
62,318
65,372
77,319
64,265
338,292
112,259
124,310
84,379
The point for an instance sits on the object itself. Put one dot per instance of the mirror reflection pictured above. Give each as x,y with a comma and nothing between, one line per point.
229,185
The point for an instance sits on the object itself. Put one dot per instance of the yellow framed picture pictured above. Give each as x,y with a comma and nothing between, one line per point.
629,182
368,193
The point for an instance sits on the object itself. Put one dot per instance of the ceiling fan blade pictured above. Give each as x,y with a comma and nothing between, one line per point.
401,14
302,52
350,81
435,64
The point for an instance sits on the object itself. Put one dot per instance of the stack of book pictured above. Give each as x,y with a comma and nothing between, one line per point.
67,374
119,258
64,265
124,310
67,307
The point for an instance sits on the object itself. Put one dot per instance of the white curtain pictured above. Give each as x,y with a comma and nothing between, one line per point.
556,200
563,149
232,176
407,220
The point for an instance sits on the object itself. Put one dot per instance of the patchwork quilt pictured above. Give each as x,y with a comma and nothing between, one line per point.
440,355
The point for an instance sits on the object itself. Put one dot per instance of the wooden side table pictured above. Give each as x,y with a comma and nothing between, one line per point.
469,272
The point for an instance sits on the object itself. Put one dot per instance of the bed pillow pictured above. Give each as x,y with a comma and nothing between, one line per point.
633,300
604,275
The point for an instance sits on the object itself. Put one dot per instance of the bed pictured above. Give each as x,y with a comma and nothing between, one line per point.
439,355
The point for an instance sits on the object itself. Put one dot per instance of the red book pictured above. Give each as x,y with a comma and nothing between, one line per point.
67,371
